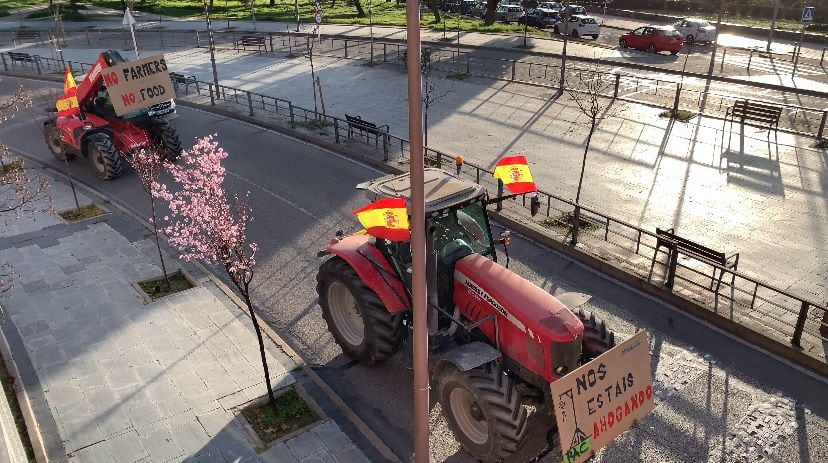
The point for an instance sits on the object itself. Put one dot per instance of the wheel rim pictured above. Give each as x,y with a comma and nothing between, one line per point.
652,49
98,160
345,313
469,416
623,44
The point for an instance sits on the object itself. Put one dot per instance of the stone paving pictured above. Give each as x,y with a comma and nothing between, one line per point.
124,380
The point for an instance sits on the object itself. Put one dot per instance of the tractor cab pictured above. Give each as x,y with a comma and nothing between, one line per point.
457,224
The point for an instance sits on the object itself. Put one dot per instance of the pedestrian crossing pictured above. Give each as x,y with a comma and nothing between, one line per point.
759,64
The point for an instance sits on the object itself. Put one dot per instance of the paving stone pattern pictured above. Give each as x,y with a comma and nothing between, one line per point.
127,381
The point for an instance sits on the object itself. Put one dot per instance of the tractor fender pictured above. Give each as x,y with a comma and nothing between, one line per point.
464,357
373,269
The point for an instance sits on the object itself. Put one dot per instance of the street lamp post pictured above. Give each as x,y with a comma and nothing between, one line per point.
212,45
418,242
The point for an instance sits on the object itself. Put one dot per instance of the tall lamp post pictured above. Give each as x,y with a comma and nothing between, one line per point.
418,244
212,45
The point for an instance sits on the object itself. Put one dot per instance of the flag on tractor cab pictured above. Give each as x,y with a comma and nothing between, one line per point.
386,218
67,105
513,171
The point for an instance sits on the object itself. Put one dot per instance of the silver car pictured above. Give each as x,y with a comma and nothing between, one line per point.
508,13
696,30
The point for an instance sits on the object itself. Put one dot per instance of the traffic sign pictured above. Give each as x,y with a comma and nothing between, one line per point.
128,19
808,14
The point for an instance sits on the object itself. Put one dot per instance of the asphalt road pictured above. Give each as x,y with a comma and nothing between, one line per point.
710,386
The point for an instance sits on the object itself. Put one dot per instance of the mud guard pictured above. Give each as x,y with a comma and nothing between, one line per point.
465,357
373,269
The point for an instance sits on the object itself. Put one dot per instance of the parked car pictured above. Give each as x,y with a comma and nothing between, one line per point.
508,13
478,10
510,2
466,6
653,39
452,6
574,10
578,26
552,6
539,18
696,30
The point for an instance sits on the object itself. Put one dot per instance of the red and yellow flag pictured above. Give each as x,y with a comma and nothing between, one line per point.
67,105
513,171
386,218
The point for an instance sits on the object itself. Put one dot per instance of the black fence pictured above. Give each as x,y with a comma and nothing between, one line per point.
759,306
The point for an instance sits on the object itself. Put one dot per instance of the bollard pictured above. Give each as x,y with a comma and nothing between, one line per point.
212,97
292,119
250,103
385,51
617,83
513,74
346,48
822,57
270,34
724,53
198,40
800,325
37,65
576,225
336,131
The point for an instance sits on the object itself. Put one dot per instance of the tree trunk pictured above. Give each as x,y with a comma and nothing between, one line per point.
158,242
360,11
246,295
273,3
434,7
491,7
583,163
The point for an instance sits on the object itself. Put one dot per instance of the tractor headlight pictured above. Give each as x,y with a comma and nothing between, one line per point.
561,370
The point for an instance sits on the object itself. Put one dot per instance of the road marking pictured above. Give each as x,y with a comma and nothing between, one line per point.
273,194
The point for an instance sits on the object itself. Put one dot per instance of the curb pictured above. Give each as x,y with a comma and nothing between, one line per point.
32,428
346,410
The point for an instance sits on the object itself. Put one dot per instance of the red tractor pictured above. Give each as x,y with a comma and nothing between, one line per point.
496,340
98,134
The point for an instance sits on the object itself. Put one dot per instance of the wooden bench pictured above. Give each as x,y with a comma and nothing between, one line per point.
24,34
754,113
365,127
255,41
678,245
180,79
25,59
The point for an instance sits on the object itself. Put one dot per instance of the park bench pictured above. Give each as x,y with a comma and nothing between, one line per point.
186,81
678,245
365,128
754,113
253,41
24,34
24,59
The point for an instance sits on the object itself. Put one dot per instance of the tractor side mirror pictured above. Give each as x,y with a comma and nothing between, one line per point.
534,204
506,240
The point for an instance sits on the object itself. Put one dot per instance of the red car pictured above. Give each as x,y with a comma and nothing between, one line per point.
653,39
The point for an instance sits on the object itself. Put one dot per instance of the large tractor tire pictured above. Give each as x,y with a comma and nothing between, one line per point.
104,156
165,136
597,338
356,317
483,410
52,134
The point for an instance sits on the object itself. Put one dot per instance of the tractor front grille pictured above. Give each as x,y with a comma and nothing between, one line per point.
565,356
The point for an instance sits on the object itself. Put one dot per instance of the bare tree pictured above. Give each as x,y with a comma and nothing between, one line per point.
433,91
588,96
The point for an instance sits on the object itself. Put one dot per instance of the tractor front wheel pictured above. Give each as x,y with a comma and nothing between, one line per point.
483,410
104,156
53,141
355,315
166,137
597,338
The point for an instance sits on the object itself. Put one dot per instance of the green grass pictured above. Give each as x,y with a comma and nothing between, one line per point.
679,115
6,382
12,4
292,414
85,212
458,76
157,288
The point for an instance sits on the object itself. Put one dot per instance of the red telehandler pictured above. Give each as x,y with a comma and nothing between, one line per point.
100,135
496,340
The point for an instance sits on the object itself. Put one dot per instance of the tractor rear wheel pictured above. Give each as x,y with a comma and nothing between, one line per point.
52,134
355,315
104,156
165,136
597,338
483,410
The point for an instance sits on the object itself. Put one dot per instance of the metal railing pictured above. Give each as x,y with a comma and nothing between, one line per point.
770,311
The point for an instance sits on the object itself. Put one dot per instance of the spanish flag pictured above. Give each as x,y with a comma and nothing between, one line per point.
67,105
386,218
513,171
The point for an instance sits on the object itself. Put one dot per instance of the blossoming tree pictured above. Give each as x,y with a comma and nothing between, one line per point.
206,223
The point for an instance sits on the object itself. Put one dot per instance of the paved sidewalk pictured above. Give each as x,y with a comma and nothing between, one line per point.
112,378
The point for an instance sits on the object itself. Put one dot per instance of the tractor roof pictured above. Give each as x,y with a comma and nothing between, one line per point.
442,189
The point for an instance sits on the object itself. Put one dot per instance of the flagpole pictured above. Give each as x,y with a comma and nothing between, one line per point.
129,20
418,233
134,43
